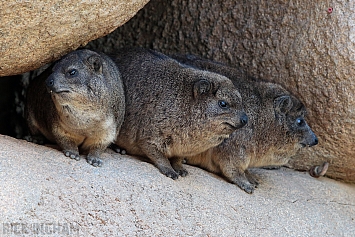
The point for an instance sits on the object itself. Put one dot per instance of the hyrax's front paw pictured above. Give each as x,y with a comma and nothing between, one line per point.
94,161
169,172
182,172
247,187
176,163
40,140
71,155
117,149
244,183
251,179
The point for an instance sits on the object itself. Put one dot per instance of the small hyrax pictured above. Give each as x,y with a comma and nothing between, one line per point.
275,132
172,110
78,103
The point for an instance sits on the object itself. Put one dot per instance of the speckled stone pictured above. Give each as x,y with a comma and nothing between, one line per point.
33,33
42,190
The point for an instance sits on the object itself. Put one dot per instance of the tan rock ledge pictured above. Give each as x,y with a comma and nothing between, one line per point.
44,191
33,33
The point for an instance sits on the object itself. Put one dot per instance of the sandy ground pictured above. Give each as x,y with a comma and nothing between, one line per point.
43,192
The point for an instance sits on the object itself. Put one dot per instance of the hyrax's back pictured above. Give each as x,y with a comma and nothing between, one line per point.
174,110
151,95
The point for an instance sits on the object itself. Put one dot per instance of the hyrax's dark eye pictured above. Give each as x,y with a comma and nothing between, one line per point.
223,104
300,121
72,72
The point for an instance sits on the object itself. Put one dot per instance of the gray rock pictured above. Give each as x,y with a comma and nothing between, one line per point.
302,45
40,188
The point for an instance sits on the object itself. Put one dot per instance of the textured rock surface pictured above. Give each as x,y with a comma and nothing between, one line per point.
299,44
33,33
41,188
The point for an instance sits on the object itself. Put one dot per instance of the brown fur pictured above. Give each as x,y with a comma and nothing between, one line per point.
271,136
172,111
83,110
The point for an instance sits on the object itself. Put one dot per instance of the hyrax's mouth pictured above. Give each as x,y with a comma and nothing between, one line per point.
233,126
61,91
230,126
309,142
62,95
58,91
303,145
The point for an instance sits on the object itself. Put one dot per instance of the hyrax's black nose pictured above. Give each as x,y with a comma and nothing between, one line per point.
50,82
315,142
244,119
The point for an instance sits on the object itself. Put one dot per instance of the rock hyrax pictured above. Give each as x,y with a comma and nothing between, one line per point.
174,111
275,132
78,103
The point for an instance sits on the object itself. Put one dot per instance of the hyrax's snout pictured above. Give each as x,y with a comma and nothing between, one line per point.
310,139
243,119
314,142
50,82
53,85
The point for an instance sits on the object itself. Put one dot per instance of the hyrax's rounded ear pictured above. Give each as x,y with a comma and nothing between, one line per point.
202,87
95,62
283,104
